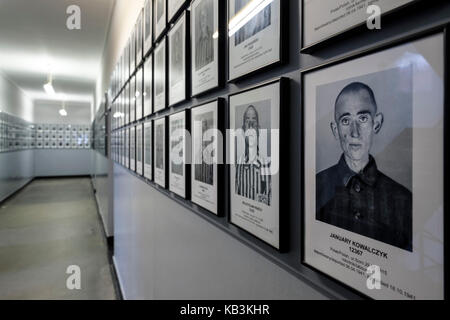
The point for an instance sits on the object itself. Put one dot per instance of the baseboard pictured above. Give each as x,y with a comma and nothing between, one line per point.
13,193
119,279
75,176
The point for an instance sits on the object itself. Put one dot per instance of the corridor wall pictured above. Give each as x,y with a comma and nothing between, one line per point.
16,167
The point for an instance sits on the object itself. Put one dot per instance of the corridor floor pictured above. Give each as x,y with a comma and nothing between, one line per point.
48,226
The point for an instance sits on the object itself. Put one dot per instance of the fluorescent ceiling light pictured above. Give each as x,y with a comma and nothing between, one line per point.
48,87
63,112
246,14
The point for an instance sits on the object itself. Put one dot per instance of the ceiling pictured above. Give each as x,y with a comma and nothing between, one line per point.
34,41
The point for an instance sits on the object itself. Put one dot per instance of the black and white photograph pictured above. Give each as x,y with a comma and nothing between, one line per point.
255,44
148,30
160,152
368,181
254,155
323,20
133,148
148,86
126,103
173,6
139,38
139,150
148,150
178,153
127,148
139,98
160,17
207,154
159,98
177,61
205,49
132,101
133,50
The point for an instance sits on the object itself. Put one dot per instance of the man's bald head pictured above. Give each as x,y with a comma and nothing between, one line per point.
355,92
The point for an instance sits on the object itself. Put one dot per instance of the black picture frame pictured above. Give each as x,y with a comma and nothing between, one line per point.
221,103
355,29
175,16
147,42
222,45
159,46
165,152
159,34
283,45
283,209
187,66
406,38
187,154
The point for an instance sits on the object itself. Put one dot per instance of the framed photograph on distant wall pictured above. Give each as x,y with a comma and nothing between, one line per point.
374,158
148,26
126,103
160,18
207,36
254,155
148,150
159,154
139,38
139,150
139,93
179,153
133,50
258,43
133,148
127,148
207,155
178,45
132,101
173,7
148,86
159,95
322,20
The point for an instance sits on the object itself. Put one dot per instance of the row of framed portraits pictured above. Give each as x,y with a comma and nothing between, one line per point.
374,147
188,51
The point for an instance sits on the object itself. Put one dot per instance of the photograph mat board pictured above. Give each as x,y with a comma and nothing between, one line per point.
205,49
148,150
325,19
159,152
177,153
177,62
254,192
404,269
204,170
259,43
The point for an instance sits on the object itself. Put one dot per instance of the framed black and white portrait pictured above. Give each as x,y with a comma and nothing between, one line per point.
179,153
322,20
207,36
139,93
160,18
148,150
178,43
126,103
173,7
133,148
148,86
374,169
133,50
132,101
159,95
207,156
254,157
148,26
159,154
127,148
139,38
126,56
255,37
139,150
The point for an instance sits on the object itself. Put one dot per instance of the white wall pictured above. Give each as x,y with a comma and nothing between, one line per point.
48,112
16,167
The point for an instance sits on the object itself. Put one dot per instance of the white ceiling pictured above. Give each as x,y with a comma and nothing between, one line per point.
34,39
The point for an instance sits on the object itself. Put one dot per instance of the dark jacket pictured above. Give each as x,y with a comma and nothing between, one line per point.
368,203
